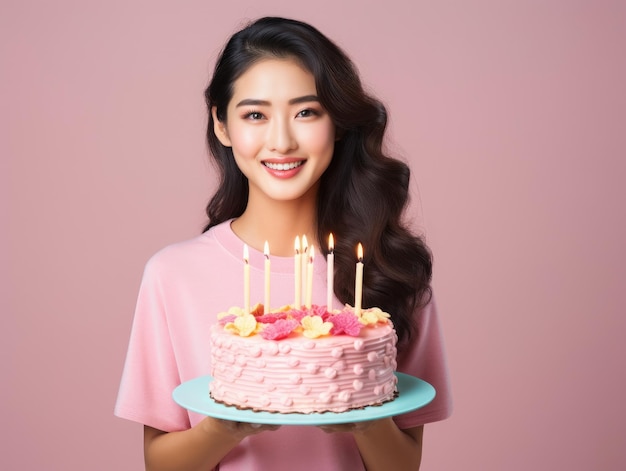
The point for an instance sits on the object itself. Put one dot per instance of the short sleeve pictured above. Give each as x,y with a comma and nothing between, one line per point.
425,358
151,372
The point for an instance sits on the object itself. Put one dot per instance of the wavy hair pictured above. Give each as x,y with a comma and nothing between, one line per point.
362,194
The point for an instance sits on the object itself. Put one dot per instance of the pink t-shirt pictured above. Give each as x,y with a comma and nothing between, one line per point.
183,289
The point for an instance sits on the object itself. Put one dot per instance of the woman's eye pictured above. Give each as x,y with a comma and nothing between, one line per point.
307,113
254,115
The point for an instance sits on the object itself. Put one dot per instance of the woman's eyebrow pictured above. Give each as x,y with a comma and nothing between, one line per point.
293,101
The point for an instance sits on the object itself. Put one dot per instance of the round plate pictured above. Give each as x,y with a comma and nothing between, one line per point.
413,394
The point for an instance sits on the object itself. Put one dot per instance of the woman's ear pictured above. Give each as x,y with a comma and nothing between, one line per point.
219,128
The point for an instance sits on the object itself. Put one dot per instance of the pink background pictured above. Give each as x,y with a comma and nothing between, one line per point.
512,115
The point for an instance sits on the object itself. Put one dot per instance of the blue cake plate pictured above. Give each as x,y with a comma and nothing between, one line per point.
413,393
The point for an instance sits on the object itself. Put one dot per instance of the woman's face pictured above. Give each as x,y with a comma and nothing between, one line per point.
281,136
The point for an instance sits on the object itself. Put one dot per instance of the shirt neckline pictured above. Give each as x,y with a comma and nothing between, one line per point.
226,237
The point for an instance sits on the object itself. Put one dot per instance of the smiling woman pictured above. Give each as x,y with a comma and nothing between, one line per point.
298,146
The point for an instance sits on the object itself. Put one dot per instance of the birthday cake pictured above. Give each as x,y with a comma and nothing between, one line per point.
303,360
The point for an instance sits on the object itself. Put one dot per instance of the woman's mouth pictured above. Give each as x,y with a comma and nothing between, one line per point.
283,166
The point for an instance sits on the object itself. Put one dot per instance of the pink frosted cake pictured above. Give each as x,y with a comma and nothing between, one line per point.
303,361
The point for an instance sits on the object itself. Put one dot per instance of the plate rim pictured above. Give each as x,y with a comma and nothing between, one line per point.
410,387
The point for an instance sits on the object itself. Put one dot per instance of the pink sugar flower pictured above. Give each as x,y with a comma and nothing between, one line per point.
318,311
298,314
345,323
279,329
226,319
271,317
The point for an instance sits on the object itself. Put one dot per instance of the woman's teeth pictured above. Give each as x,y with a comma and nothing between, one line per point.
283,166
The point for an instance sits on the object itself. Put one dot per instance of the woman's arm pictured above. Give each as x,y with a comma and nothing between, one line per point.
201,447
384,446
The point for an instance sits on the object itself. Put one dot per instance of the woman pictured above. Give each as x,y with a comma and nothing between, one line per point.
298,145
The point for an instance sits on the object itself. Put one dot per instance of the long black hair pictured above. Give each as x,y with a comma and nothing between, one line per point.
362,194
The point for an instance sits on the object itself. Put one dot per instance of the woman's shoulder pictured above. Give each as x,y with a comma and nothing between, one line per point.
210,246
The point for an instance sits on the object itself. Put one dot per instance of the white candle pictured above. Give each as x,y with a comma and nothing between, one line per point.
304,255
309,280
297,273
358,285
266,252
330,272
246,280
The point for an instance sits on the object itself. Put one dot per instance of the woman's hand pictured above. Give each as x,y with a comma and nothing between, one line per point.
355,427
239,430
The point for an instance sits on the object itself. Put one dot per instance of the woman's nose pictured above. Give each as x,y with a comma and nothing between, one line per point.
280,137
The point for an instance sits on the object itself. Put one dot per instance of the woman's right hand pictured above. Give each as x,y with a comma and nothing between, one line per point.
200,447
238,430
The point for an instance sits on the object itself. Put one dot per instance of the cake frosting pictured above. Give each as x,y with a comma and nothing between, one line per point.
303,360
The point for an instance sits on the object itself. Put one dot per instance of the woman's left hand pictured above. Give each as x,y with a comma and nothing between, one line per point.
355,427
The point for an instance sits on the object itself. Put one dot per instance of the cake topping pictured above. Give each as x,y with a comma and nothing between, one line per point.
314,327
312,323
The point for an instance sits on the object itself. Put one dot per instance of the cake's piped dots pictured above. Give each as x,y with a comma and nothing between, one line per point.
357,385
358,369
372,374
295,378
333,387
241,360
258,377
271,348
265,401
293,362
339,365
330,373
345,396
285,348
310,345
372,356
358,345
312,368
325,397
378,390
286,401
255,352
305,390
261,363
337,352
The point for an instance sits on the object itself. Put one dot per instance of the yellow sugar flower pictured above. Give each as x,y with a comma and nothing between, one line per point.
244,325
233,311
314,326
373,316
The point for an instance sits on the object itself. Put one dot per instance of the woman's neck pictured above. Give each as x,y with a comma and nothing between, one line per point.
278,223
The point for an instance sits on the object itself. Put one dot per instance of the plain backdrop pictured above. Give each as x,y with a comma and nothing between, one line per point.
512,115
